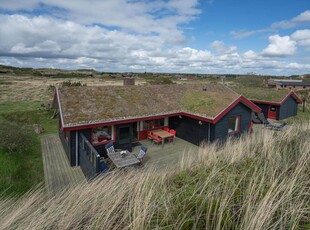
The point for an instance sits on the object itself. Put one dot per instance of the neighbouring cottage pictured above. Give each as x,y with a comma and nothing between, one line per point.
288,84
98,115
275,104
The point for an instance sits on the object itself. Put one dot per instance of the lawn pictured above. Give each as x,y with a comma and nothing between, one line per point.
23,170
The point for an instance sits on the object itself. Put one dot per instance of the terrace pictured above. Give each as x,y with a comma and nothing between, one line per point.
170,154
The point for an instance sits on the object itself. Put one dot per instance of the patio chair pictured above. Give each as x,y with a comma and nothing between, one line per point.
110,148
142,153
156,138
166,129
149,135
172,131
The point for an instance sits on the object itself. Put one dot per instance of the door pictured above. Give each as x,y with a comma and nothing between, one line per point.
272,112
124,137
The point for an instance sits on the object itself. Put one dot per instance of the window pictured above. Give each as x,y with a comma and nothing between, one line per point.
234,124
152,124
273,108
101,135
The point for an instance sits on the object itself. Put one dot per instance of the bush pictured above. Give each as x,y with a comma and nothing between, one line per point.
69,83
15,138
161,81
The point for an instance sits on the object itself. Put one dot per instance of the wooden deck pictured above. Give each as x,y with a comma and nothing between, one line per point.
58,173
170,154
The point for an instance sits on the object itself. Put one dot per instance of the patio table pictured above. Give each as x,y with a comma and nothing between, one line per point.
123,161
163,135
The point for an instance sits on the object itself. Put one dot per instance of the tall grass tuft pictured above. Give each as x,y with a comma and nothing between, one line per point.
260,181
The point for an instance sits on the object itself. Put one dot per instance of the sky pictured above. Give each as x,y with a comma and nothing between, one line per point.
175,36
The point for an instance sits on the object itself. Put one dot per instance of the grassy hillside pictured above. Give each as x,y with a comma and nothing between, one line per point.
257,182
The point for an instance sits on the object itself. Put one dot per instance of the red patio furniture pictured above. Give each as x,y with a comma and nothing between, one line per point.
166,129
156,138
149,135
172,131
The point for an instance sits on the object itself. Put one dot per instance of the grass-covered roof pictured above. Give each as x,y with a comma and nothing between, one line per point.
263,94
85,105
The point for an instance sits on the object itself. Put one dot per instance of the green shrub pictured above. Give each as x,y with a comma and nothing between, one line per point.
161,81
15,138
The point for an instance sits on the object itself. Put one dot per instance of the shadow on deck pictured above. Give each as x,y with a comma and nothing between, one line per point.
58,173
170,154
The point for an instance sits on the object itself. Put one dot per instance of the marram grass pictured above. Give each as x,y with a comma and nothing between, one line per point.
260,181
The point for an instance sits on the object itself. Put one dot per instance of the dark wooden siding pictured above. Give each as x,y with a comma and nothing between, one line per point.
220,129
65,145
288,108
264,108
73,143
189,129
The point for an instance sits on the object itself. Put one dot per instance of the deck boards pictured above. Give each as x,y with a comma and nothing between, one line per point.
168,155
58,173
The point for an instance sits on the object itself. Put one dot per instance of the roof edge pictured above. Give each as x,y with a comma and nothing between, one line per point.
60,108
245,101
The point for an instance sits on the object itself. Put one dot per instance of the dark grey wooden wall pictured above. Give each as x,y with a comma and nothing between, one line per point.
189,129
288,109
264,108
220,129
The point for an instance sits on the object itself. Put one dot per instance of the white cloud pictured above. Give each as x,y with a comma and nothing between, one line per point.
302,37
220,47
244,34
160,17
47,41
301,19
280,46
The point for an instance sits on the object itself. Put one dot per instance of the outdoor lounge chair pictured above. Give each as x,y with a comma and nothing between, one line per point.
276,127
142,153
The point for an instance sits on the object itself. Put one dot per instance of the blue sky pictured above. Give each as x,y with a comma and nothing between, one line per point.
188,36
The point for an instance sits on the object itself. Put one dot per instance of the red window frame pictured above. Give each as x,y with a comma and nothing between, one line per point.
239,122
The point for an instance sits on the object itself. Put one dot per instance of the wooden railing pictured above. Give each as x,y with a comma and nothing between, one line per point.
88,157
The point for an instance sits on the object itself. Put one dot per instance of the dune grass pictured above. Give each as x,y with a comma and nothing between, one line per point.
257,182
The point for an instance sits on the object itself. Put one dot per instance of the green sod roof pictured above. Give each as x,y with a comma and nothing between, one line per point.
263,94
88,105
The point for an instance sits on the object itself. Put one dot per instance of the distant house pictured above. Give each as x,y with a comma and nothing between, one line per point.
123,115
288,84
275,104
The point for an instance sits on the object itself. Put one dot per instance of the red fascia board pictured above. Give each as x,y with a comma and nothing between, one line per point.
241,99
266,102
293,94
119,122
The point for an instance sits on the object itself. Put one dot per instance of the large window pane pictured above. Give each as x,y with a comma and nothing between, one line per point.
101,134
152,124
234,124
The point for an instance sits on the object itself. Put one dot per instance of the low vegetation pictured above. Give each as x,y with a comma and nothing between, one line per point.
258,182
20,151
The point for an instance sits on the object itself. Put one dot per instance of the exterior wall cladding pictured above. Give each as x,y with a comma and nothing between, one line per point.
287,109
190,130
220,130
264,108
